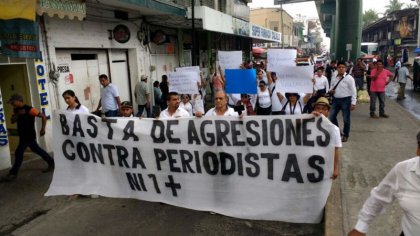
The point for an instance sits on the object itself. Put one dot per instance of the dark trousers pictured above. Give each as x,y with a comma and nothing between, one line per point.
113,113
33,145
343,104
381,97
141,108
264,111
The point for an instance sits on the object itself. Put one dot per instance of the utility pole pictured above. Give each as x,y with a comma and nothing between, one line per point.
282,28
418,24
193,46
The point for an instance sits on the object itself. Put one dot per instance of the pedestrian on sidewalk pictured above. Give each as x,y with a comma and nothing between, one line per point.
402,183
322,106
380,78
403,74
24,115
142,96
110,98
345,98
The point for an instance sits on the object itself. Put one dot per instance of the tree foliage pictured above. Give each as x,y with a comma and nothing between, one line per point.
393,5
369,17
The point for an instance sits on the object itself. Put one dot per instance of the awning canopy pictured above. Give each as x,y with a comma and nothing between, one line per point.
69,8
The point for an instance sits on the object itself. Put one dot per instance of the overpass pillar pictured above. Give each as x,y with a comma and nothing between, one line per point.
348,29
333,39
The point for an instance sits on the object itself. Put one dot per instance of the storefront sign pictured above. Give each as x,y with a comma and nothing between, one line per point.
41,76
19,38
263,33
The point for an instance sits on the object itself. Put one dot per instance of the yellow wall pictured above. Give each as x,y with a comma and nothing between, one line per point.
271,17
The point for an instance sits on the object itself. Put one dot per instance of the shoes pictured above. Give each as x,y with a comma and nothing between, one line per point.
374,116
8,178
344,139
49,168
384,116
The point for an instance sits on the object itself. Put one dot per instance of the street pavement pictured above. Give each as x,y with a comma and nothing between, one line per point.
374,146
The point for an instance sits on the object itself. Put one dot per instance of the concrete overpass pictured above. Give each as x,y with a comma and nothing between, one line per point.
342,22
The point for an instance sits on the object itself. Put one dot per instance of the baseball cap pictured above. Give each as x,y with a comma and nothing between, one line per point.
15,97
143,77
126,104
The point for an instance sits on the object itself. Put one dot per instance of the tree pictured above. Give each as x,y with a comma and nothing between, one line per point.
369,17
410,6
394,5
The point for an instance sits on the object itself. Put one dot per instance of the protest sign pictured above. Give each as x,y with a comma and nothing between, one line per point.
191,68
280,57
259,167
230,59
296,79
241,81
183,82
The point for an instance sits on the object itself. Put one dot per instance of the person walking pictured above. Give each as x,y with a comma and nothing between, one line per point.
380,77
164,88
24,116
142,96
345,98
110,98
402,183
403,74
73,103
359,73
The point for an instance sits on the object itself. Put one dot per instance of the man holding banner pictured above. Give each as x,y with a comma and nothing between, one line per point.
173,110
221,108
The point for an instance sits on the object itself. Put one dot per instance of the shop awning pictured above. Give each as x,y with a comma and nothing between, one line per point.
69,8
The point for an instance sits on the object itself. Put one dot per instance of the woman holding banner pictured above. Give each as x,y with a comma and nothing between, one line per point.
73,104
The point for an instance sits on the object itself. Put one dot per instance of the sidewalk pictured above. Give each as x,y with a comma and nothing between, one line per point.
374,147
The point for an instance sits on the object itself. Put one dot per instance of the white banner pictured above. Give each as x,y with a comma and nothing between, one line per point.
230,59
280,57
260,167
183,82
295,79
4,140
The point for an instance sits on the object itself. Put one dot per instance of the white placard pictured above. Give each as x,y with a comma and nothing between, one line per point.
183,82
191,68
4,140
296,79
280,57
255,167
230,59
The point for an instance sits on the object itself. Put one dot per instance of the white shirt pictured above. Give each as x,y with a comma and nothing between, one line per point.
234,98
82,109
321,83
402,183
275,102
228,112
180,112
108,95
293,110
187,106
264,98
402,75
337,141
197,104
346,88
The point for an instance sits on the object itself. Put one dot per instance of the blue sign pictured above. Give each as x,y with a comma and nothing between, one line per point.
241,81
19,38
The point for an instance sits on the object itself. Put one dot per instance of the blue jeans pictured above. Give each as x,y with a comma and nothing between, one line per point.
113,113
343,104
381,97
33,145
359,83
141,109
